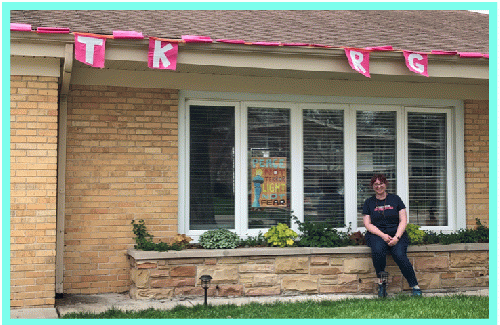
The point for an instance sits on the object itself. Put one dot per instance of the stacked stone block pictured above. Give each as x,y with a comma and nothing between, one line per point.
341,270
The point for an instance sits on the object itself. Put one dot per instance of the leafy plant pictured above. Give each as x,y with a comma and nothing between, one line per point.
415,233
254,241
322,235
219,238
144,240
281,235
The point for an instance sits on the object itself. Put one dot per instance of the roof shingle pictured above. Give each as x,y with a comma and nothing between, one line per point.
422,30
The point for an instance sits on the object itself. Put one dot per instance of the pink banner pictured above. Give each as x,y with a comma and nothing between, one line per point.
53,30
416,62
470,55
359,60
380,48
127,34
162,54
196,39
20,27
90,50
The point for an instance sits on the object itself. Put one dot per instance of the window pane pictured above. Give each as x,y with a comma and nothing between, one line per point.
376,152
427,169
211,167
269,167
324,166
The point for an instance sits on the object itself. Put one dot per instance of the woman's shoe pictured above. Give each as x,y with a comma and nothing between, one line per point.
416,292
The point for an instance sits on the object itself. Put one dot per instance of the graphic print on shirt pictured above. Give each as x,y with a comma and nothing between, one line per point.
383,208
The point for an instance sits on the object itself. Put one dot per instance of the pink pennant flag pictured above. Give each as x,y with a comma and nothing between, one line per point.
196,39
267,43
127,34
380,48
416,62
90,50
20,27
359,60
295,44
52,30
162,54
470,55
444,52
231,41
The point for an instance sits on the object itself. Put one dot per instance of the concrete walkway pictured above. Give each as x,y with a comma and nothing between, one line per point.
104,302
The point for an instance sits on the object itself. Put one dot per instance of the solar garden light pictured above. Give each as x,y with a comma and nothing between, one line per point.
205,283
384,277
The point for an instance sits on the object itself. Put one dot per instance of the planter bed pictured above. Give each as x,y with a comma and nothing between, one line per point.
271,271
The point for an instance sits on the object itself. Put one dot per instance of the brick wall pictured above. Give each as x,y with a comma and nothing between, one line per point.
477,161
121,165
33,171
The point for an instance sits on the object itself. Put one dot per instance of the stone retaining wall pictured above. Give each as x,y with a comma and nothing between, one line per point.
289,271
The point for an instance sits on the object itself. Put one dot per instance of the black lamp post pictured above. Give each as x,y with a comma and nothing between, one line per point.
205,283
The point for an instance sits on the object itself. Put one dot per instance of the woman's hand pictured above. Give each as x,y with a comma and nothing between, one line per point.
386,238
394,240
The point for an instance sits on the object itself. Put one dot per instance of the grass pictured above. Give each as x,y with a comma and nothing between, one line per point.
458,306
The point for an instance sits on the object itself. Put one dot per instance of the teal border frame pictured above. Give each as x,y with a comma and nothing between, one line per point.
493,115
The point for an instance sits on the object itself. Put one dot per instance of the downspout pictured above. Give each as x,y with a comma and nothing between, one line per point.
61,167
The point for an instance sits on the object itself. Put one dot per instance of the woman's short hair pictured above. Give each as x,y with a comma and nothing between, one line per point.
379,177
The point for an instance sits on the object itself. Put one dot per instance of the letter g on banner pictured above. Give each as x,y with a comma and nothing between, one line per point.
416,62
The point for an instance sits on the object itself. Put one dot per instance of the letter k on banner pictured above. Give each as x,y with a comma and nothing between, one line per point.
162,54
359,60
90,50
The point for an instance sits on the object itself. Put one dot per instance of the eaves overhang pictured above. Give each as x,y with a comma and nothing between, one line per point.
254,60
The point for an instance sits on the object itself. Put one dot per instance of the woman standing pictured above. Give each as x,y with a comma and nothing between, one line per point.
385,222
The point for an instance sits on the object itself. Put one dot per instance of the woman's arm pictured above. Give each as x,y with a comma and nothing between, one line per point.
367,221
401,227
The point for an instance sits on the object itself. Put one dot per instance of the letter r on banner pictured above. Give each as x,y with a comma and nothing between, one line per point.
359,60
416,62
162,54
90,50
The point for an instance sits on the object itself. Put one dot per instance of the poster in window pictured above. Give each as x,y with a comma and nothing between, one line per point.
269,182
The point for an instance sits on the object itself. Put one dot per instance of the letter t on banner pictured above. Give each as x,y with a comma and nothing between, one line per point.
416,62
90,50
359,60
162,54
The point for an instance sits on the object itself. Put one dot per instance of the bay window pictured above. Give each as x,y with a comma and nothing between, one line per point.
248,164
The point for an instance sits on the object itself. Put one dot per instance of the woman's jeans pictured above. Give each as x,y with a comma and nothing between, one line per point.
379,251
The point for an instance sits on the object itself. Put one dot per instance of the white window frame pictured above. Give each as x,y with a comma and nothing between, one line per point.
296,103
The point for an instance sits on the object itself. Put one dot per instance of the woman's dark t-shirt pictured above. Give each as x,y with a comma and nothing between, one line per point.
384,214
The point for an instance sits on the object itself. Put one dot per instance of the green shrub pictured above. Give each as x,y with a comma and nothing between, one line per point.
219,238
281,235
144,240
415,233
321,235
254,241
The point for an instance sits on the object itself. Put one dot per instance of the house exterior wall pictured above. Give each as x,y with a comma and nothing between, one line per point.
121,166
122,146
33,180
476,147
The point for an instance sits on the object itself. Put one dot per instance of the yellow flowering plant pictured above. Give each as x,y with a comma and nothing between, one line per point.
281,235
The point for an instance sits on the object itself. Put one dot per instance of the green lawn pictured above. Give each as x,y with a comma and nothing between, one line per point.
458,306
